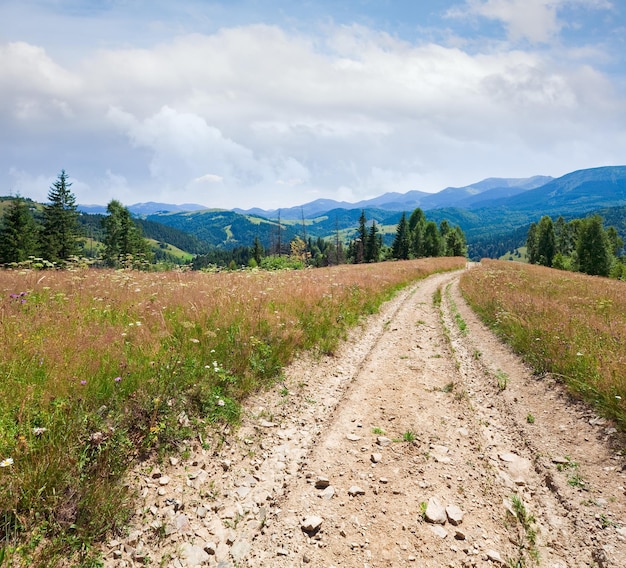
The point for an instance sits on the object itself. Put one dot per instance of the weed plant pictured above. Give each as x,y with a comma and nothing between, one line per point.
101,368
568,324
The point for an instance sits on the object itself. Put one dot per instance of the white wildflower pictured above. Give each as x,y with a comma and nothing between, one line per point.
6,462
38,431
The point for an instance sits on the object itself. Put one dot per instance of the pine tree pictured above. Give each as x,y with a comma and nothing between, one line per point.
359,247
373,244
593,248
402,243
432,240
18,236
546,241
531,243
123,244
257,250
60,227
417,222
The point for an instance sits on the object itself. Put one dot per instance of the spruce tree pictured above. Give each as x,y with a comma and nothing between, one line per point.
18,236
373,244
60,227
359,251
402,242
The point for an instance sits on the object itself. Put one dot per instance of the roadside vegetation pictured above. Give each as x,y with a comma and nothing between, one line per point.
567,324
101,368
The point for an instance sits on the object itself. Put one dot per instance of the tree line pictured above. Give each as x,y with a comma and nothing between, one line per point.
581,245
54,237
59,234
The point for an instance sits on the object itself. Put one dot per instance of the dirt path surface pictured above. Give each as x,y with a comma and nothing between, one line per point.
417,444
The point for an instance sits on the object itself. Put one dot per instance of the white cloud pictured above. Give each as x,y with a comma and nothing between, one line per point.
255,115
535,20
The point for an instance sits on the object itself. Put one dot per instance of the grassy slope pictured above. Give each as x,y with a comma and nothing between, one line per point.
98,366
568,324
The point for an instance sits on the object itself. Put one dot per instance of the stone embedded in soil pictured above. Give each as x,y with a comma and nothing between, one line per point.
353,437
328,493
439,531
455,515
375,458
494,556
311,524
383,441
239,550
435,513
322,482
508,457
193,555
356,490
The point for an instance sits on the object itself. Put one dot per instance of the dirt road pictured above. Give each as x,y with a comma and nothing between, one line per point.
422,442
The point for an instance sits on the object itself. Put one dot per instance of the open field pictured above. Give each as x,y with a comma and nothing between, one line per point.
567,324
100,368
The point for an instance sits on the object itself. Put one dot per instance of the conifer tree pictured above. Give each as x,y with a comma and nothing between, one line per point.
60,226
417,221
546,241
18,236
593,248
432,239
123,242
402,243
373,244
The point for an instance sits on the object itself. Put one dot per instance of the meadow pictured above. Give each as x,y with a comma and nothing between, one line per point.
568,324
102,368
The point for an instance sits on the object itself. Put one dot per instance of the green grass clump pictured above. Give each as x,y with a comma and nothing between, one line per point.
568,324
101,368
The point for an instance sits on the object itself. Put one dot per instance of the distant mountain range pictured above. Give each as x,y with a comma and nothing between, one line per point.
484,210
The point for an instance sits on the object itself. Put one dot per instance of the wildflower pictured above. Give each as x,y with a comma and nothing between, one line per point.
220,402
38,431
83,382
194,340
117,379
6,462
579,354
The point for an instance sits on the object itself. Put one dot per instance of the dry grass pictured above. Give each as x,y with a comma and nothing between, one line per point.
568,324
98,367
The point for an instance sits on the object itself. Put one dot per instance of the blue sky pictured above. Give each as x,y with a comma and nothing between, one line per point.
275,103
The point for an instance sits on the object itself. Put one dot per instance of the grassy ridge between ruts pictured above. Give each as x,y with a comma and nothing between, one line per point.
100,368
568,324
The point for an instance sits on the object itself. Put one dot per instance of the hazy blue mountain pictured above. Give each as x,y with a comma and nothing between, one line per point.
148,208
394,201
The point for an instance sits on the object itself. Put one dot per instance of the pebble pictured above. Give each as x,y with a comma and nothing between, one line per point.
435,512
353,437
376,458
383,441
193,555
439,531
311,524
494,556
322,482
454,514
356,490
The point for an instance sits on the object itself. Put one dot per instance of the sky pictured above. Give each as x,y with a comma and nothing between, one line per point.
275,103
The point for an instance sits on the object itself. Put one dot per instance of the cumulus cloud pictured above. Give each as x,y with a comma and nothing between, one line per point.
256,115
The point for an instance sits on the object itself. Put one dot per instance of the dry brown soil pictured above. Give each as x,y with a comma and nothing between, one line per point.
410,413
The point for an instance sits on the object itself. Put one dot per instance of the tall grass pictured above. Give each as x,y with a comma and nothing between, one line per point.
100,368
568,324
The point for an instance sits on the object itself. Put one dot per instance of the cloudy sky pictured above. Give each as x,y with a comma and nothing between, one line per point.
275,103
